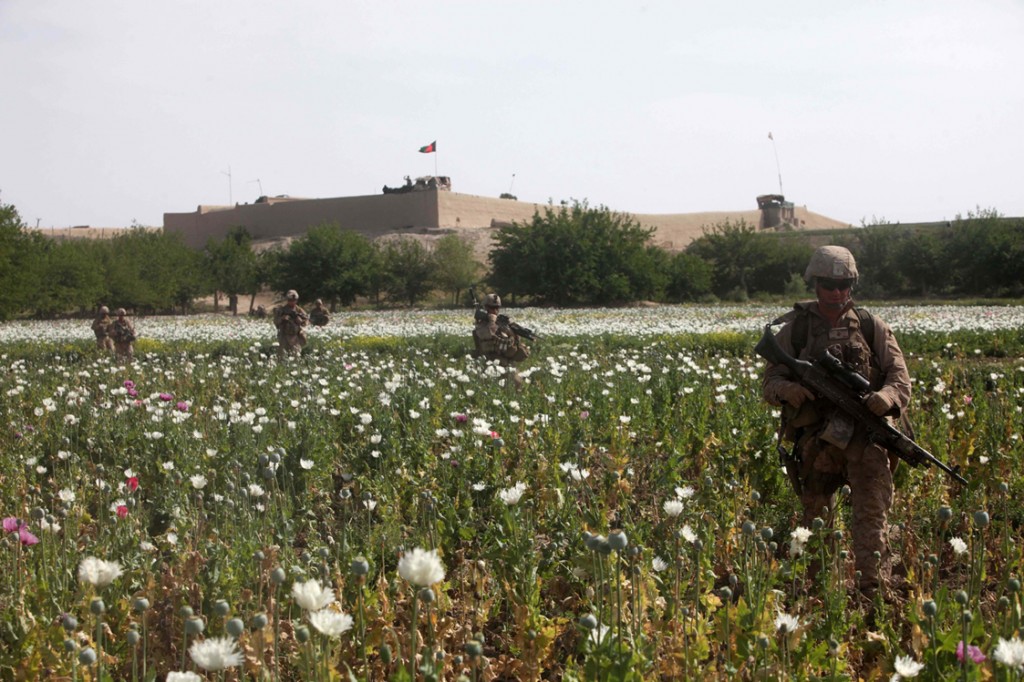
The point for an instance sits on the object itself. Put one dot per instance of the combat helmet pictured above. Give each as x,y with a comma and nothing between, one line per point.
292,295
831,262
492,301
104,310
121,312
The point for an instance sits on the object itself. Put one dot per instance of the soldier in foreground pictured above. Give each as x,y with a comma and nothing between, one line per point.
101,328
122,331
830,449
290,321
497,338
318,316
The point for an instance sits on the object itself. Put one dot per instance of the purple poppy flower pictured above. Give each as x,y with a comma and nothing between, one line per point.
973,652
182,406
129,384
166,397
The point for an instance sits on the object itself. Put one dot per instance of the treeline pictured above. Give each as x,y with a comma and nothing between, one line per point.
570,254
579,255
150,271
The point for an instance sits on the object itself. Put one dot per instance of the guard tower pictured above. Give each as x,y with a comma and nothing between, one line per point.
776,212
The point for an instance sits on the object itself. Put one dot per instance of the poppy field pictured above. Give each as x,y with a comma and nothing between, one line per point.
387,507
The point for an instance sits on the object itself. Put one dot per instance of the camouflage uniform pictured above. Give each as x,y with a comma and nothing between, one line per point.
123,333
101,328
319,316
495,342
290,321
833,450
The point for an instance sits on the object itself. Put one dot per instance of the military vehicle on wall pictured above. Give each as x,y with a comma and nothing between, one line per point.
442,182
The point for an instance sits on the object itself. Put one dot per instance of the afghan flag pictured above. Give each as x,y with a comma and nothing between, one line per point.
430,148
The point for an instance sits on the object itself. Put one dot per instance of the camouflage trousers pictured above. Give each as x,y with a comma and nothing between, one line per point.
124,351
290,344
105,343
866,468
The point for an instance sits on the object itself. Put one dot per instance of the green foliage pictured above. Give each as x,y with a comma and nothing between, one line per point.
73,281
18,263
150,271
329,263
690,277
232,266
746,260
571,254
575,254
408,268
455,266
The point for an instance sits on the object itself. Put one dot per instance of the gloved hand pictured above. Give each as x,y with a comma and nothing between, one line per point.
794,394
877,403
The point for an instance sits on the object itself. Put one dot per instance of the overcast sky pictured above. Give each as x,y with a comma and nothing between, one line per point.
122,110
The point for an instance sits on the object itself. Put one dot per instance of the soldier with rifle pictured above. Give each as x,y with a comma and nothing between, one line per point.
122,332
496,337
290,321
837,442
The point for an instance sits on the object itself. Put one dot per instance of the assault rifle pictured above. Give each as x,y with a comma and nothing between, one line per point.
828,378
481,316
505,323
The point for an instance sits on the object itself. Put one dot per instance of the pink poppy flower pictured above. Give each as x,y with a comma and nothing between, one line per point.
972,651
13,524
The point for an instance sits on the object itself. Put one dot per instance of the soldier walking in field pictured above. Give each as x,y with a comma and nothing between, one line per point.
318,316
122,331
101,328
290,321
830,449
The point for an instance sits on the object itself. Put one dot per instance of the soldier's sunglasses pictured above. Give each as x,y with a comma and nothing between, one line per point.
835,284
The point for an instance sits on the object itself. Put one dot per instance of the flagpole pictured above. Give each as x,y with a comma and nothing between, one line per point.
778,168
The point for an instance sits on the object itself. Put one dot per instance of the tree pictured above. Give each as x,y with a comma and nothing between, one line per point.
73,280
329,263
232,265
732,251
689,277
19,264
152,271
577,254
455,266
410,270
746,260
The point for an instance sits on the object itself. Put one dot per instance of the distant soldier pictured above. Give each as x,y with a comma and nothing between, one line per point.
290,321
101,328
123,333
319,316
493,339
